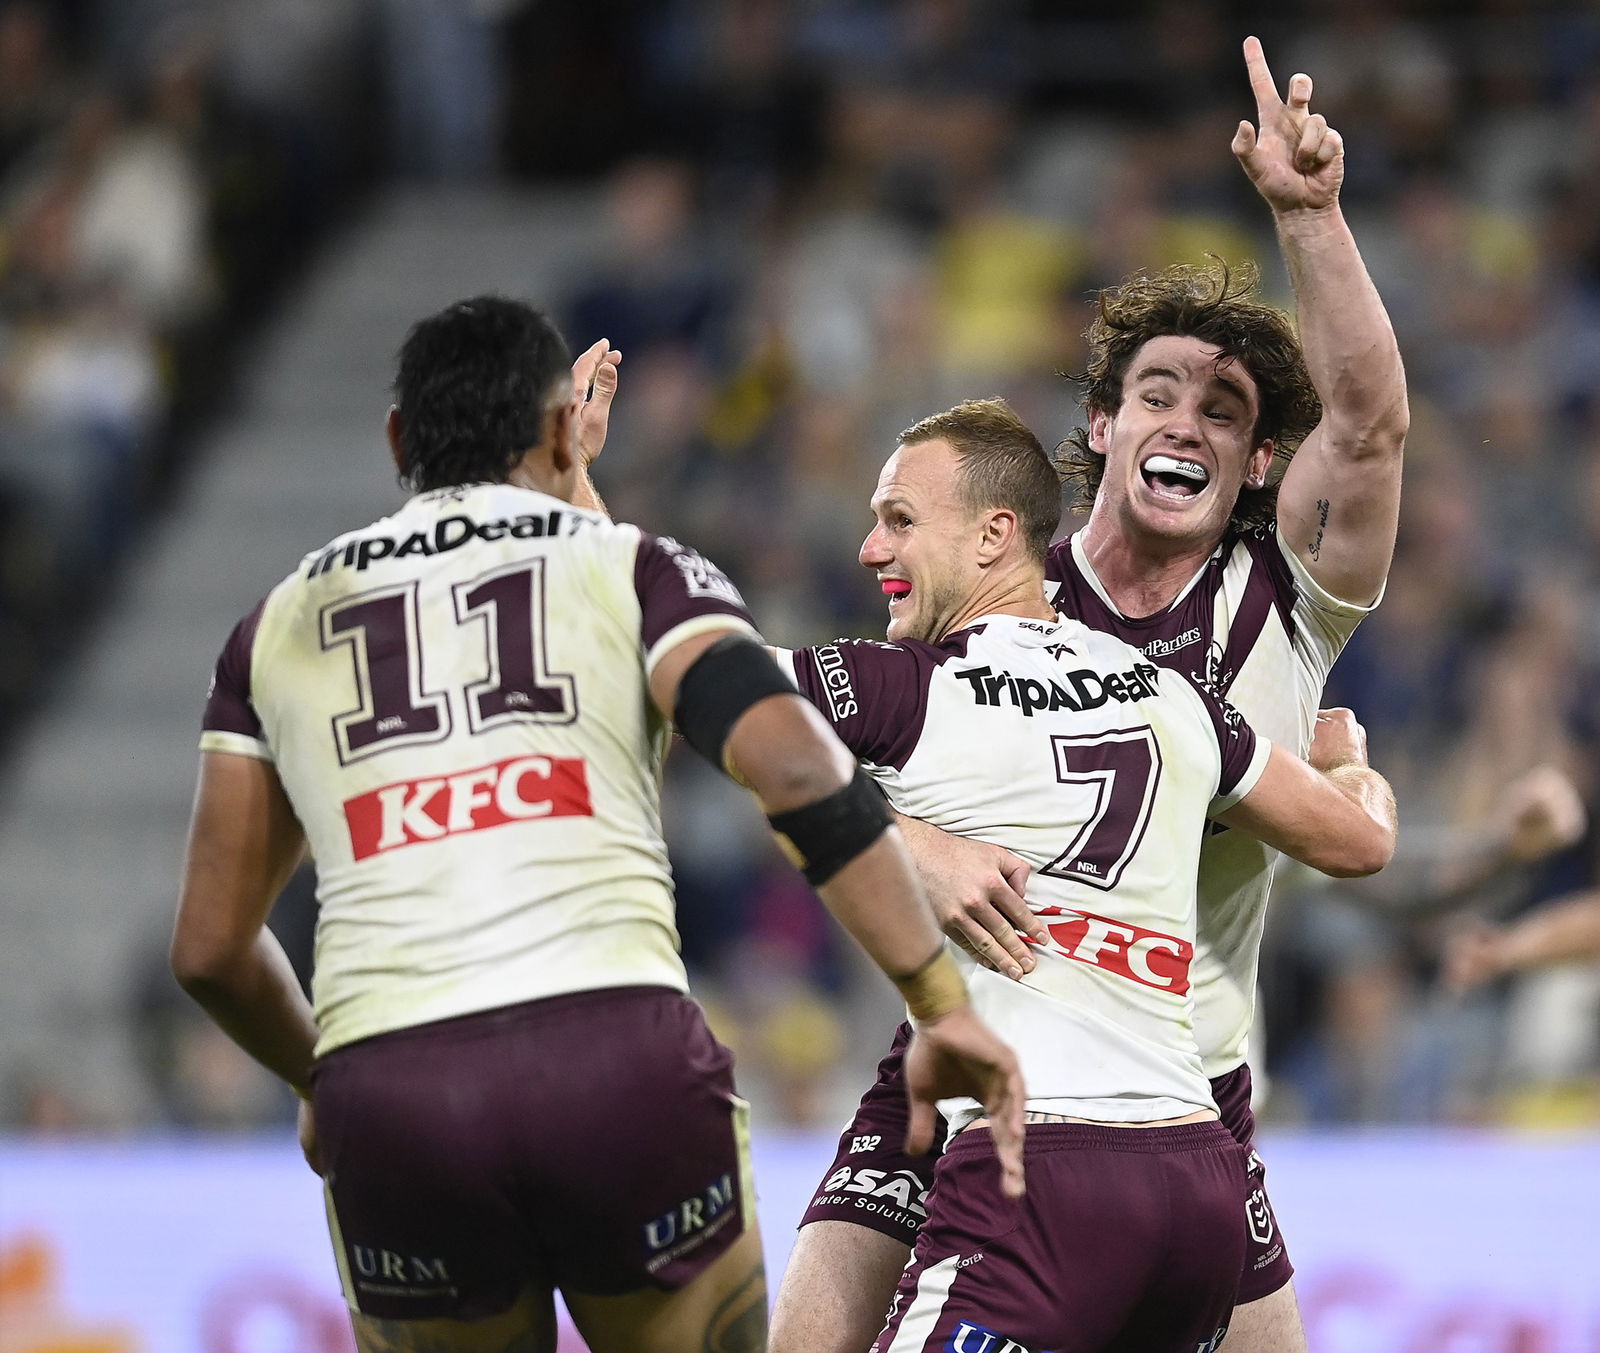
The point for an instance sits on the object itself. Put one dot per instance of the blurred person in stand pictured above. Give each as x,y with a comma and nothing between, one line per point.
1566,930
655,286
446,85
1499,776
35,91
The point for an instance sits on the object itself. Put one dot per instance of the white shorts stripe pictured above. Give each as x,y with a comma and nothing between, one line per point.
933,1291
339,1255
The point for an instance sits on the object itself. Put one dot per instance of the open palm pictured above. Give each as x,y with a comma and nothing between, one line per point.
1293,157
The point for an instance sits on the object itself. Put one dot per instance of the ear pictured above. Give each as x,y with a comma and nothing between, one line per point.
391,430
561,436
1255,469
999,531
1099,432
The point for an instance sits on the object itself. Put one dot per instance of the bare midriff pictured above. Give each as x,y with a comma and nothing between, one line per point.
1036,1116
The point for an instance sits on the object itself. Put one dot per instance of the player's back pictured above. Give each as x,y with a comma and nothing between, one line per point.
456,701
1069,748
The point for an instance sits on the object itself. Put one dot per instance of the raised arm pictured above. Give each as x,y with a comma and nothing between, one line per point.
1564,931
1335,814
735,707
1339,503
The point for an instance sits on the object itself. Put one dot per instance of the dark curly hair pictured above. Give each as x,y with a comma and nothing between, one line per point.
474,386
1219,306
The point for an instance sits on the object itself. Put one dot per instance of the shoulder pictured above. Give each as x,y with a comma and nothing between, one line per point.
874,694
680,593
876,667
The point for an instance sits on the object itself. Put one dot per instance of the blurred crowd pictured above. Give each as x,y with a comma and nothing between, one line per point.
825,219
162,169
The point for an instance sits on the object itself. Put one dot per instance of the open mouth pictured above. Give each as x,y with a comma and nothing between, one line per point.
896,589
1172,477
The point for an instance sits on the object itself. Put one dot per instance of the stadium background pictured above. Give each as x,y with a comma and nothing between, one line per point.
806,224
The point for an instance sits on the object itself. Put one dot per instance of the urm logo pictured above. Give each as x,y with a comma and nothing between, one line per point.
691,1215
970,1338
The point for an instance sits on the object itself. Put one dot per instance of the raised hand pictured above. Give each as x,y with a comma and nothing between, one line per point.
1293,157
594,385
1543,813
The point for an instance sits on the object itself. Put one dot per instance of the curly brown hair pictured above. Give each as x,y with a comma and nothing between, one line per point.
1218,305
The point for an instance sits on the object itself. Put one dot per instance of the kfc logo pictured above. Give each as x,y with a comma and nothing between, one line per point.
517,790
1146,956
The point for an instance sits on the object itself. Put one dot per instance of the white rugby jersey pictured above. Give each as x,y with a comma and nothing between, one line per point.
1254,627
1099,768
456,700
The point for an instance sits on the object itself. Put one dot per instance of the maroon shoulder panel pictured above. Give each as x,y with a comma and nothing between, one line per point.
228,706
1269,587
1236,740
1184,638
675,584
875,695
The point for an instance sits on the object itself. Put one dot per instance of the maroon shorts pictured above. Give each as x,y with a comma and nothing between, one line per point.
1127,1241
591,1142
1266,1261
873,1183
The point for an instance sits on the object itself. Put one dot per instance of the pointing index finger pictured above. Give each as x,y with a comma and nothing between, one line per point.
1262,84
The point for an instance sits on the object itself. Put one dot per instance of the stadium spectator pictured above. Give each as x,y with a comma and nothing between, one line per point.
1564,931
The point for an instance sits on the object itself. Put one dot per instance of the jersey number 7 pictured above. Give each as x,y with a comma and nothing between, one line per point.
1123,768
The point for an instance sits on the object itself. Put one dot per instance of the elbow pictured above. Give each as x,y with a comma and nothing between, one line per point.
1361,855
799,781
199,965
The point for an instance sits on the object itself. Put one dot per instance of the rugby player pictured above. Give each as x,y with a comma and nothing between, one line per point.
462,710
991,716
1194,555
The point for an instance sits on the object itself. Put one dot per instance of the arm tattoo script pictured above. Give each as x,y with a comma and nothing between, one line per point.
1315,548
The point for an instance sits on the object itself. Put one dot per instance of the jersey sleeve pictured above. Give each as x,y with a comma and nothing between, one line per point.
875,695
681,594
1323,623
1243,751
230,722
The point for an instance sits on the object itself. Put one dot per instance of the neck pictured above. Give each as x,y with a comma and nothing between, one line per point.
536,472
1141,575
1019,592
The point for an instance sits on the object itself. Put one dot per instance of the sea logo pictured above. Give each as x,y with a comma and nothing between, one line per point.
901,1188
